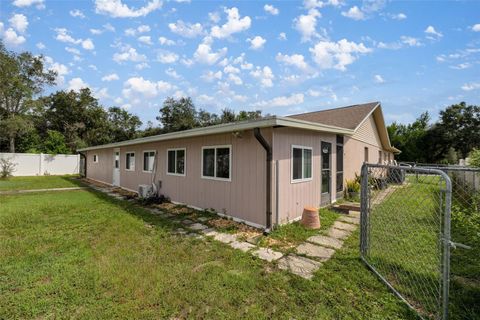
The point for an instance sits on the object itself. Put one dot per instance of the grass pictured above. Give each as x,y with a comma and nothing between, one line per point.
40,182
405,247
83,255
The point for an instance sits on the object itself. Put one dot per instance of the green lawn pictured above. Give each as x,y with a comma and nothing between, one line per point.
405,247
83,255
41,182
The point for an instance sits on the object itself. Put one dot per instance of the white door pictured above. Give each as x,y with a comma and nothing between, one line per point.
116,167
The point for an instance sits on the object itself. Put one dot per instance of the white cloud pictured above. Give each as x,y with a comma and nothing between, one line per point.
110,77
166,42
354,13
307,24
411,41
76,84
461,66
233,25
19,22
203,98
204,54
403,42
141,66
134,31
77,13
296,60
211,76
256,43
187,30
40,45
282,101
73,50
398,16
282,36
172,73
149,89
106,27
214,17
235,79
26,3
271,9
87,44
378,79
471,86
337,55
476,27
11,38
165,56
145,39
116,9
433,34
128,54
101,93
264,75
61,69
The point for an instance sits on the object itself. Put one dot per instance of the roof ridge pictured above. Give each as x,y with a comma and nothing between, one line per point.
336,108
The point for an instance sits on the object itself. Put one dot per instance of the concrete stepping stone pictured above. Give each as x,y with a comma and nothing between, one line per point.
209,232
203,219
354,214
180,231
267,254
194,235
326,241
348,219
241,245
197,226
313,250
187,221
300,266
344,226
225,237
338,234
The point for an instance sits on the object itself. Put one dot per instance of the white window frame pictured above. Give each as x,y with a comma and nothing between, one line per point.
229,146
184,165
126,160
143,160
95,158
294,146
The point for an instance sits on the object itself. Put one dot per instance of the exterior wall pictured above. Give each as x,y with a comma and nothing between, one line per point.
33,164
103,169
354,146
294,196
243,197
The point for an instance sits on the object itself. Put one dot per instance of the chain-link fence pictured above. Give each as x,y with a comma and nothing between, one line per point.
412,217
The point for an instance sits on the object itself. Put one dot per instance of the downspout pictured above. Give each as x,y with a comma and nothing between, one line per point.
268,149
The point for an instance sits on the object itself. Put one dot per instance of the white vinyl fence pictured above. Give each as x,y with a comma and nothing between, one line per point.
32,164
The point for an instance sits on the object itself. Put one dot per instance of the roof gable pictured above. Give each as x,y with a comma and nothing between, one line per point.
349,117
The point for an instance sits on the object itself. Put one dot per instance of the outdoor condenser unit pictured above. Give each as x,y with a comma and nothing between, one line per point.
145,191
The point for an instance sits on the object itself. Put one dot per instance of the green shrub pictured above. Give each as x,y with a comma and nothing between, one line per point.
7,167
475,158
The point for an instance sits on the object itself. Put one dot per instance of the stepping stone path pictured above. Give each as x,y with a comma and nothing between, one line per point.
310,254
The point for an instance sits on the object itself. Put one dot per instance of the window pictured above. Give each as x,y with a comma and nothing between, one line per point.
339,168
176,162
216,162
301,163
365,154
380,156
148,160
117,160
95,158
130,161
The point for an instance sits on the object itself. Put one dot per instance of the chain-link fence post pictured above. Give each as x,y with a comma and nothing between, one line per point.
364,211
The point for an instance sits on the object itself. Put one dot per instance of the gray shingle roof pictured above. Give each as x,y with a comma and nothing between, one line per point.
346,117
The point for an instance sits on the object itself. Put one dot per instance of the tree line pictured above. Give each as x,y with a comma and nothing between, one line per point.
65,121
453,136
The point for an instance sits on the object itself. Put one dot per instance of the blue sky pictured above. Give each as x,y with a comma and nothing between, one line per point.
281,57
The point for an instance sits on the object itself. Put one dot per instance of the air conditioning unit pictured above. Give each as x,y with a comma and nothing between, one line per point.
145,191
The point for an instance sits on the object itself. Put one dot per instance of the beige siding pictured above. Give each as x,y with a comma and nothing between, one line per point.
243,197
103,169
293,197
368,133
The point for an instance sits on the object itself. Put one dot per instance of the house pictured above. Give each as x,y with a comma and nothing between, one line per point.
261,172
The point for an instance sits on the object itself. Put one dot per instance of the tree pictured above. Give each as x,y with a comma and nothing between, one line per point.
178,115
475,158
55,143
123,125
22,77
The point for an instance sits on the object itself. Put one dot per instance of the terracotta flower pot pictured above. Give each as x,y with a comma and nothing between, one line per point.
310,218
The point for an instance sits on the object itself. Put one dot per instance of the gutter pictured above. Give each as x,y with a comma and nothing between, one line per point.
268,150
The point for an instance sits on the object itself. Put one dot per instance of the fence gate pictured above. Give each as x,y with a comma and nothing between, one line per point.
405,233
